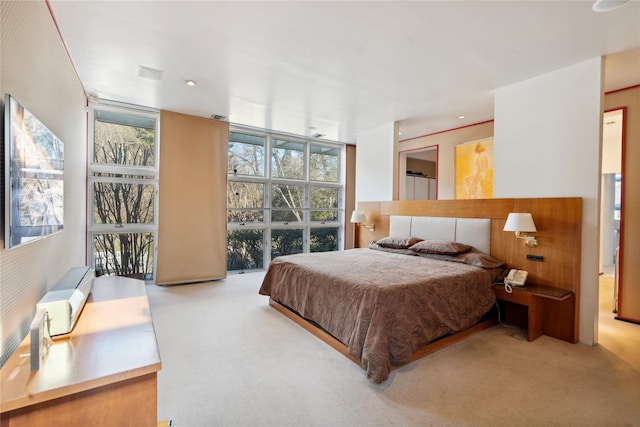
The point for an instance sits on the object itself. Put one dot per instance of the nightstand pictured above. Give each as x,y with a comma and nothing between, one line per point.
538,299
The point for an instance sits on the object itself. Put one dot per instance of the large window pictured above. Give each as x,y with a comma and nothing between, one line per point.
284,196
123,188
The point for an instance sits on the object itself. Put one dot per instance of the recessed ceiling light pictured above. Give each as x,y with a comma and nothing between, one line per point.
607,5
191,83
461,116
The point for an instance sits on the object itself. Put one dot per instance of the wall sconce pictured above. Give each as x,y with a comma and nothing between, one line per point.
359,217
519,222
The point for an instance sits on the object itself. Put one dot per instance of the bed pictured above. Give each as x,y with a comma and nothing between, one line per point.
386,303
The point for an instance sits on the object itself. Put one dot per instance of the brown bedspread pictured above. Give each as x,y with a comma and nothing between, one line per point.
382,306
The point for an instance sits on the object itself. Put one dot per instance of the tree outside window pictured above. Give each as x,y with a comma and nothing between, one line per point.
246,154
283,197
123,179
324,164
287,159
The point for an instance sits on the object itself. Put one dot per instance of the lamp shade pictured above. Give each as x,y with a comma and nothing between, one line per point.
358,216
519,222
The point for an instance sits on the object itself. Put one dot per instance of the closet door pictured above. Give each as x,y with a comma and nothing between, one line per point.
432,188
192,225
421,189
410,189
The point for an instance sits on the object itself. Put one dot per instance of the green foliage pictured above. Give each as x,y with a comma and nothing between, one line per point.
245,249
286,242
248,187
324,239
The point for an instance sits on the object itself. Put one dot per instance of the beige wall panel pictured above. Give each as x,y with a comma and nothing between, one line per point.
192,226
36,70
349,195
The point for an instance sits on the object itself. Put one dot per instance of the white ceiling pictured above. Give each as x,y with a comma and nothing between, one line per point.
338,68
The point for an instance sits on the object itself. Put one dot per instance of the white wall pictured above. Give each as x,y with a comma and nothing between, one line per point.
374,163
547,135
612,142
608,243
37,71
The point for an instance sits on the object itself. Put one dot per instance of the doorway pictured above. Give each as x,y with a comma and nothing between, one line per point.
611,217
611,203
418,174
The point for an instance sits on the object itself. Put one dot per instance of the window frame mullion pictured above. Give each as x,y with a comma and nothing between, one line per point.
269,181
136,175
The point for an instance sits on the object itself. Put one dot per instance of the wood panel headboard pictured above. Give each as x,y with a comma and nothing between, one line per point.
558,220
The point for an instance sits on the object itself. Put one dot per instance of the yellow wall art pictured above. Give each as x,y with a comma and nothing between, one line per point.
474,170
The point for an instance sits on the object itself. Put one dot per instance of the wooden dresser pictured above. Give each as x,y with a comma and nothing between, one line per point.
104,373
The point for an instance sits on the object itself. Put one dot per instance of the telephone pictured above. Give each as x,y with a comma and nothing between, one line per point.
515,278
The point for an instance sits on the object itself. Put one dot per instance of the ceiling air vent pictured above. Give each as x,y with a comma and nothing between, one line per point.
150,73
218,117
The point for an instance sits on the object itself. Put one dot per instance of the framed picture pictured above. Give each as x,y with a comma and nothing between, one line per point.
34,177
474,170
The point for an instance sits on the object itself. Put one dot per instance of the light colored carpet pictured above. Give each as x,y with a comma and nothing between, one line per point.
621,338
228,359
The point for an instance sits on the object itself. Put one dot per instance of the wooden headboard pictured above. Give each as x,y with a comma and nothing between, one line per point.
558,220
